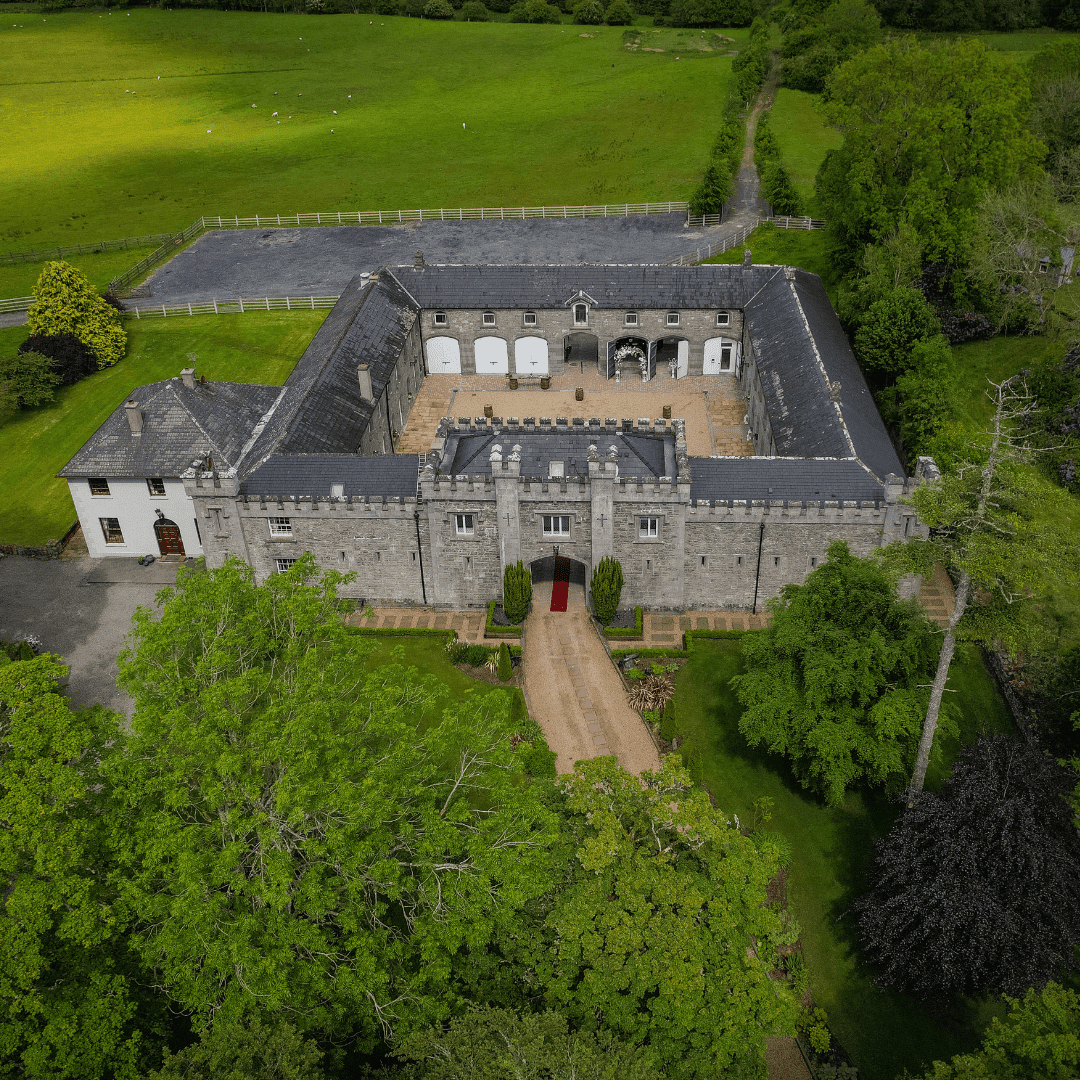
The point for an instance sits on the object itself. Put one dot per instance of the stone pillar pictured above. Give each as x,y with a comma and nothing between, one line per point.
506,473
602,476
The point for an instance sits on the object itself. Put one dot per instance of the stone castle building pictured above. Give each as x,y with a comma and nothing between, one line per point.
267,473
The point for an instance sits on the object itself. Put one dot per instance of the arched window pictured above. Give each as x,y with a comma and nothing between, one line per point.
439,318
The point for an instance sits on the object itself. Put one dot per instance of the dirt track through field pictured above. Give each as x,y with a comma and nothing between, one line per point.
573,690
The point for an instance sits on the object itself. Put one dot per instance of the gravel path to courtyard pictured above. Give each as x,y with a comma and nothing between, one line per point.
321,262
573,690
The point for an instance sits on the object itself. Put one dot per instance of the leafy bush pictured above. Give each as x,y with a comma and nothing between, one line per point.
813,1023
456,651
65,303
619,13
636,673
534,11
766,837
606,588
505,668
30,377
72,360
920,403
474,11
538,759
776,186
517,592
589,13
477,655
714,190
438,9
701,13
890,328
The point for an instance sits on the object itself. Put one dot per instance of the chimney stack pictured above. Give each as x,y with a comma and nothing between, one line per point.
188,375
134,416
363,371
418,258
747,258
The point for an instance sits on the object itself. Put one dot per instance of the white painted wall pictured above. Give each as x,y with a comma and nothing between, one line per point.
531,356
443,356
492,356
130,502
714,350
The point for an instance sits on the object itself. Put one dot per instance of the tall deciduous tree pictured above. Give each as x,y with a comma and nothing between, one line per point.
834,681
304,836
65,303
978,888
663,928
70,1007
927,130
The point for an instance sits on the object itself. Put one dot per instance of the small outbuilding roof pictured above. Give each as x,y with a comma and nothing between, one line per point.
797,480
316,474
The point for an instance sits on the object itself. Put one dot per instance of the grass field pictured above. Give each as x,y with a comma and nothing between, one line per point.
883,1033
18,279
804,139
136,122
254,348
805,248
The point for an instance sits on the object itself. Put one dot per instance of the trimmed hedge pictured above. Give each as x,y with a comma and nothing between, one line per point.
689,637
401,631
625,631
491,630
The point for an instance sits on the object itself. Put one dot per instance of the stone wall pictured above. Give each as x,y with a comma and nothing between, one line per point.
395,402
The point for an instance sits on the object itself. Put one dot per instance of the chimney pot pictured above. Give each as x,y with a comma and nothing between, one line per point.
363,372
135,417
747,257
418,258
188,375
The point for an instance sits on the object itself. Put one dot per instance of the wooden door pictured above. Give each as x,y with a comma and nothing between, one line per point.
168,537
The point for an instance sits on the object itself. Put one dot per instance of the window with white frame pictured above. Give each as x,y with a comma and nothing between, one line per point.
337,491
439,319
648,528
489,318
283,566
98,485
466,524
280,526
530,318
673,318
556,524
110,528
155,485
630,318
556,470
723,318
581,314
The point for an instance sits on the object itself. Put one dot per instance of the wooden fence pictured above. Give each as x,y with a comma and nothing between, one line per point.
8,258
234,307
694,257
780,222
16,303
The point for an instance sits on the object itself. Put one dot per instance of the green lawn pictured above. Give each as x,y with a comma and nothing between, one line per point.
809,249
142,120
35,444
883,1033
18,279
804,139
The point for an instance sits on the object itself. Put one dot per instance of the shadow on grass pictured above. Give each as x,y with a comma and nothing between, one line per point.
833,848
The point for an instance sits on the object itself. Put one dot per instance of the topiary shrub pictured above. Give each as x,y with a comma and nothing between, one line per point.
438,9
505,668
606,588
65,303
589,13
474,11
619,13
534,11
517,592
71,359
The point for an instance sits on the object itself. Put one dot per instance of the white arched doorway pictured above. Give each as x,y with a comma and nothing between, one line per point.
531,356
443,356
721,357
492,356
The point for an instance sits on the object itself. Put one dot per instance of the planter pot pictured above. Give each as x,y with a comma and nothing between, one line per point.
667,412
513,384
545,383
579,394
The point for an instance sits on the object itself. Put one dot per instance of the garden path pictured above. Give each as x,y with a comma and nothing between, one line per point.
573,691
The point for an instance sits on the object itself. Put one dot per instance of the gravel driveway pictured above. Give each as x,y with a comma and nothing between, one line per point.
321,262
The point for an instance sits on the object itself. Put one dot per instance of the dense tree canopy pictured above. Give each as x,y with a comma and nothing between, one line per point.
978,888
303,836
834,681
927,130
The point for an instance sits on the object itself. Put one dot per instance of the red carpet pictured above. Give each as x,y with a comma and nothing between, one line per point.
560,587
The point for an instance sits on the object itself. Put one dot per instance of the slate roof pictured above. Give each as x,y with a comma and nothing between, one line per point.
644,456
322,411
686,287
795,479
179,425
313,474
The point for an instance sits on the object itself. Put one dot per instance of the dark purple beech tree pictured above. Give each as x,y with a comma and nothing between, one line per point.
978,888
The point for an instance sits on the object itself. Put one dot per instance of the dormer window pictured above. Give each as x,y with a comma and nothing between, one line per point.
581,314
673,318
337,491
630,318
439,318
530,318
723,318
489,318
556,470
